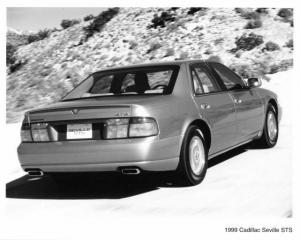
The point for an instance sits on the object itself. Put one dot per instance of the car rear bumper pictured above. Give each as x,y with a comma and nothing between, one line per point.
150,154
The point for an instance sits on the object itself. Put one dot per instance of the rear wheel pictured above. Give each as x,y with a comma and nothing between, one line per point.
193,158
271,130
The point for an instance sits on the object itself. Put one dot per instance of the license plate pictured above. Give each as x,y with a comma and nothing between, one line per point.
79,131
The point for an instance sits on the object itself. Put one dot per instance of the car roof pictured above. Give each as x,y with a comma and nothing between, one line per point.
150,64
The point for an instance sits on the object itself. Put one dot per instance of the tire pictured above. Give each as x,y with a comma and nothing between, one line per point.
193,158
271,130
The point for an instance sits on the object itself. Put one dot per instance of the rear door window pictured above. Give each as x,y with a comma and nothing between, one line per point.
203,82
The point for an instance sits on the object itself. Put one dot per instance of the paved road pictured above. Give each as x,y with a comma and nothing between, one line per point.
243,182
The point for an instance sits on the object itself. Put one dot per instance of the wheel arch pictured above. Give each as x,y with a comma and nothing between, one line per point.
273,102
204,128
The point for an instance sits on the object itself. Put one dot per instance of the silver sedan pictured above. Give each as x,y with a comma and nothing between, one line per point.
171,116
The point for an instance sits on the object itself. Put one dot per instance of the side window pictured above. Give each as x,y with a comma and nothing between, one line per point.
127,81
230,79
202,82
101,85
196,83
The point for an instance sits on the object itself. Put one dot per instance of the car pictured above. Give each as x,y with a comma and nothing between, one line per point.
157,117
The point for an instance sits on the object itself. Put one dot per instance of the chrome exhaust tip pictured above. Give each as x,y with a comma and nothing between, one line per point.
35,173
130,171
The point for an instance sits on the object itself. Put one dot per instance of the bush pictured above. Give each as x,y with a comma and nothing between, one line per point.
285,13
66,23
243,70
247,14
88,17
247,42
271,46
281,66
153,47
132,44
99,21
253,24
251,15
193,10
290,44
40,35
239,10
16,66
183,55
169,52
262,10
218,41
160,21
10,54
214,58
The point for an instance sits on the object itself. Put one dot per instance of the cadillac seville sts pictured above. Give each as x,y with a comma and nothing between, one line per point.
171,116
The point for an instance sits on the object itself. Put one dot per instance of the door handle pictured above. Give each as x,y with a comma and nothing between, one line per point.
205,106
236,100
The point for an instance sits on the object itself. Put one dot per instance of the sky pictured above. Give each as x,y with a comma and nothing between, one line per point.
33,19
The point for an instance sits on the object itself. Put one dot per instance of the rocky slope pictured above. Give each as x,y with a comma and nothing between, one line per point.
250,41
15,37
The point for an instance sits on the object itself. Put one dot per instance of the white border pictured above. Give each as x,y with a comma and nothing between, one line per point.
160,228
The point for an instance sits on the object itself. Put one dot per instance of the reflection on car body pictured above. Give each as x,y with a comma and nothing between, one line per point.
170,116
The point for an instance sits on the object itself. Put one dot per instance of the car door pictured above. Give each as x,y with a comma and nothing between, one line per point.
215,106
248,104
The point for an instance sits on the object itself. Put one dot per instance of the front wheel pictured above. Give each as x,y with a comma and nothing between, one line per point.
193,158
270,130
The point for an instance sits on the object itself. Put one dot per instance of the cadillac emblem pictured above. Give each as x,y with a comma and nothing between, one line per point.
75,111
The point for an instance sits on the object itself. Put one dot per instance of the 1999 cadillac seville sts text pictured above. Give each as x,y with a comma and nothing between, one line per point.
171,116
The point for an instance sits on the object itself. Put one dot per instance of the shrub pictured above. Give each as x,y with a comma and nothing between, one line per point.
218,41
99,21
153,47
16,66
66,23
285,13
88,17
239,10
290,44
132,44
271,46
160,21
10,54
262,10
242,70
281,66
32,38
40,35
183,55
169,52
251,15
253,24
193,10
247,42
247,14
214,58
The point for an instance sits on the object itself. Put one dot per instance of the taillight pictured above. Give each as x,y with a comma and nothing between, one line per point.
142,127
25,133
130,127
117,128
39,132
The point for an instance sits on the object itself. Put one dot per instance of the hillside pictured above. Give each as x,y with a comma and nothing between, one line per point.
15,38
254,42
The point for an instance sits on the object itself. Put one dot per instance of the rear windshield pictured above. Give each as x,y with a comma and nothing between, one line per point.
131,81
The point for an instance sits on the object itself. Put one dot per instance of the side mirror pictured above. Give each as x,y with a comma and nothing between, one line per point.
253,82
